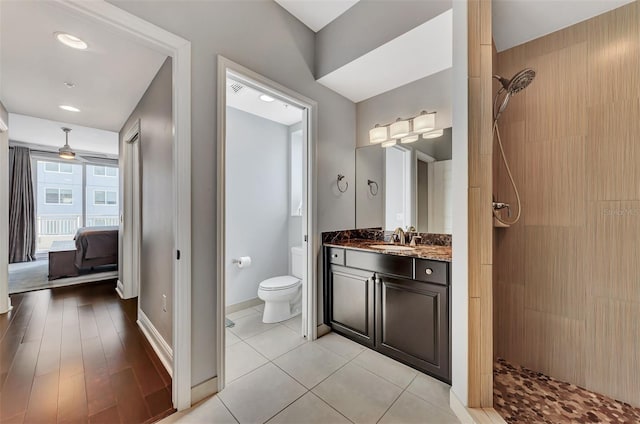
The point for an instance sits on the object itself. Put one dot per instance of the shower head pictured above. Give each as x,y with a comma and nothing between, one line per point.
517,83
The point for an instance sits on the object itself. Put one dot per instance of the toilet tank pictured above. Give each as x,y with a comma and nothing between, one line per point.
297,261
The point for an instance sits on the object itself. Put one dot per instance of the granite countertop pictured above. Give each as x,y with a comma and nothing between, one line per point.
422,251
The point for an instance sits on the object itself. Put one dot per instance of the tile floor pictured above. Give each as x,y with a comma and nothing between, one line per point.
275,376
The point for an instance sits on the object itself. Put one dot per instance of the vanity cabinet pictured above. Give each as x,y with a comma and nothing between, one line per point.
396,305
352,299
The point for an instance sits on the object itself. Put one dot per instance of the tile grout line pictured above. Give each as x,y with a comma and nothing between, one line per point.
396,399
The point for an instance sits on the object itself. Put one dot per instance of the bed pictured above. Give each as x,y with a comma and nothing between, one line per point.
92,249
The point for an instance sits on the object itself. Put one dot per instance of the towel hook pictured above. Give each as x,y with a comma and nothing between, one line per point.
372,184
346,187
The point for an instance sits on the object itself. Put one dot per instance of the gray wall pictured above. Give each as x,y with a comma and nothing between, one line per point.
432,93
156,151
257,202
369,166
265,38
368,25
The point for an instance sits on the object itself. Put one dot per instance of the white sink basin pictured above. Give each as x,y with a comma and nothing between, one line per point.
391,247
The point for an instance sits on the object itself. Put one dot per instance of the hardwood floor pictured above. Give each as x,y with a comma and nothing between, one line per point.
75,354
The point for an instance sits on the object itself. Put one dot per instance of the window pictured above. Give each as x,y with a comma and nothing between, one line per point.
63,168
105,171
58,196
104,197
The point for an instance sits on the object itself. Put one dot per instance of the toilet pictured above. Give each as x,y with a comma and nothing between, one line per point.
282,295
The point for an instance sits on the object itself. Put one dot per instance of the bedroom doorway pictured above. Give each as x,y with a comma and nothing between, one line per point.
119,23
282,256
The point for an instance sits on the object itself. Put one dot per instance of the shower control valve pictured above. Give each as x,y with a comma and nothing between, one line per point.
500,205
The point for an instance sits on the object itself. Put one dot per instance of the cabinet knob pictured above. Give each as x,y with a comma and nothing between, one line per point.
335,255
428,271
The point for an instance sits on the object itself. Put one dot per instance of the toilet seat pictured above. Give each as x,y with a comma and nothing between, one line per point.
282,282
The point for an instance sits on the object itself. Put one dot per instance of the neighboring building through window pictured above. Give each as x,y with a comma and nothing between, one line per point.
103,197
105,171
58,196
64,168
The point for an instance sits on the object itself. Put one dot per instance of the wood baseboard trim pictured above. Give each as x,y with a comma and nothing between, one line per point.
242,305
473,415
157,342
204,390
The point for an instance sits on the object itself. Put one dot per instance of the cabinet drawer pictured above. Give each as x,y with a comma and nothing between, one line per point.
336,256
432,271
377,262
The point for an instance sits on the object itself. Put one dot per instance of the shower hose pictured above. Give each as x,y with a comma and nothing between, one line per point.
496,131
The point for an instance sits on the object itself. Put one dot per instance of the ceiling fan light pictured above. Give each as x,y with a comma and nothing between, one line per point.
66,152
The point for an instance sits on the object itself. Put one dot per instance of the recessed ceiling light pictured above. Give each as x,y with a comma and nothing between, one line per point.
266,98
70,40
69,108
69,84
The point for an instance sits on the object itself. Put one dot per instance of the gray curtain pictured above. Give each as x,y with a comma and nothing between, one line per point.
22,210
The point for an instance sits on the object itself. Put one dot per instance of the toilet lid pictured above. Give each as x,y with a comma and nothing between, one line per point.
280,283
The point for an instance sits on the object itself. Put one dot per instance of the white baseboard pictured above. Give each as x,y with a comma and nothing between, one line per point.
459,409
204,390
120,289
158,343
242,305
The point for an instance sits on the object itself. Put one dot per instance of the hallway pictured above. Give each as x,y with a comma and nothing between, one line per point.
76,354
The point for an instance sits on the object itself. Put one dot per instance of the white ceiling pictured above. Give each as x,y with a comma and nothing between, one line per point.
44,132
110,76
316,14
248,100
518,21
418,53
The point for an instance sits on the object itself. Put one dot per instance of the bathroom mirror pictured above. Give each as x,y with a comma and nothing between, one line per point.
405,185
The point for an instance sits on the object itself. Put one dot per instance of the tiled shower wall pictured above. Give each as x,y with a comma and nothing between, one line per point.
567,276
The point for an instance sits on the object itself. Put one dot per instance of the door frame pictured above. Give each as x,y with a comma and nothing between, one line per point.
5,300
179,49
128,285
313,247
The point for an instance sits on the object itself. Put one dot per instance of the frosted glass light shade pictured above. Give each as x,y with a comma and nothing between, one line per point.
378,135
424,123
409,139
433,134
388,143
400,129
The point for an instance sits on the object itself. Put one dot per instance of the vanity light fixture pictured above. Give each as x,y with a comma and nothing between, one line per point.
266,98
378,134
70,40
409,139
433,134
424,122
400,128
406,130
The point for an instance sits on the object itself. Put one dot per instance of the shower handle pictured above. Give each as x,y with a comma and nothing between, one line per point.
500,205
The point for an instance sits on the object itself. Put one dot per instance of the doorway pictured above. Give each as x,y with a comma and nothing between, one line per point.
283,246
149,35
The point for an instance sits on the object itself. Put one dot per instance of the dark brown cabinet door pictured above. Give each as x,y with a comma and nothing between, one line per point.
412,323
351,309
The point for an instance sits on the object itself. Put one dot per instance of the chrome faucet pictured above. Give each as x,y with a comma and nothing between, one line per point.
399,232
